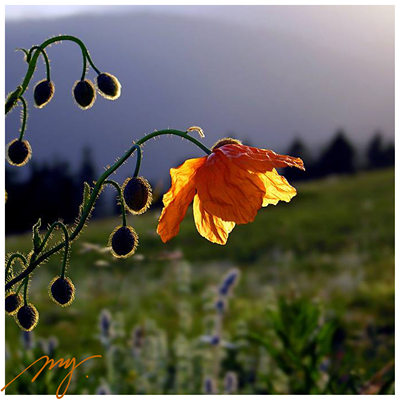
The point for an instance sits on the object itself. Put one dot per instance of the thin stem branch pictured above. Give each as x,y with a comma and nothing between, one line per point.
20,286
11,259
138,161
53,226
121,198
24,117
26,290
46,59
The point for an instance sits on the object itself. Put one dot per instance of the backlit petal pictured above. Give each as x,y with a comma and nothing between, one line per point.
258,160
209,226
178,198
276,188
228,191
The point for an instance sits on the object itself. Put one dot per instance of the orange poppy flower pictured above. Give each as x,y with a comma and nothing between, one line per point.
227,187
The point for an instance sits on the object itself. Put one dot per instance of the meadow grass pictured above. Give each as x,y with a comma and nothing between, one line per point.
332,244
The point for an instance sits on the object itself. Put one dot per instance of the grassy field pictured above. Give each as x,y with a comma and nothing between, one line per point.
314,303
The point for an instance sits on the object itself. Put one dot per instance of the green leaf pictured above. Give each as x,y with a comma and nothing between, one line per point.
86,193
12,99
37,240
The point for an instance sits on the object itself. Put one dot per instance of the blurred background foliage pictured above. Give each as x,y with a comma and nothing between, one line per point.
312,310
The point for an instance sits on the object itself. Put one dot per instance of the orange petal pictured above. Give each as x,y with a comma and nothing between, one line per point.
177,199
209,226
258,160
276,188
228,191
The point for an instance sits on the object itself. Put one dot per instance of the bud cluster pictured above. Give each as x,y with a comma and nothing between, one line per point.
61,291
84,91
137,198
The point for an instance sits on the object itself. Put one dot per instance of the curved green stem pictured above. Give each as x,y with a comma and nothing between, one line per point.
11,259
24,117
65,243
20,286
35,261
121,198
176,133
26,52
26,281
46,59
33,60
138,161
53,226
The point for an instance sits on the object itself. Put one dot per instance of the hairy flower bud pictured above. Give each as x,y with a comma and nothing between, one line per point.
62,291
43,93
137,194
84,93
108,86
13,302
123,241
27,317
225,141
19,152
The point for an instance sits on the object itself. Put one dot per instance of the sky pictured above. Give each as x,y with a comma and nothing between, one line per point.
266,73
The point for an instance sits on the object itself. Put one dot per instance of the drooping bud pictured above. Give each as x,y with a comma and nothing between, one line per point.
13,302
137,194
62,291
27,317
123,241
225,141
108,86
84,94
19,152
43,93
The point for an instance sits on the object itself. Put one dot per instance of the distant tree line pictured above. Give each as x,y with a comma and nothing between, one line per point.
340,157
52,191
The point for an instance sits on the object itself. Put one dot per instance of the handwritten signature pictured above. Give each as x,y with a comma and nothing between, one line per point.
68,363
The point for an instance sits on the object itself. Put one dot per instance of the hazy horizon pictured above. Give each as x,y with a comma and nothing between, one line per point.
266,73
